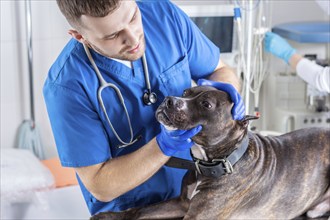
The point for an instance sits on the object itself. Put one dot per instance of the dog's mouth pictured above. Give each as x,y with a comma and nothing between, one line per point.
164,119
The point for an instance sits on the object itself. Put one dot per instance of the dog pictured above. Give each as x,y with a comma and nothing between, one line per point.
237,174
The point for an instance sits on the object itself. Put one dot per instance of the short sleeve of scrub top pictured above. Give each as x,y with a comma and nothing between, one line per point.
202,54
79,134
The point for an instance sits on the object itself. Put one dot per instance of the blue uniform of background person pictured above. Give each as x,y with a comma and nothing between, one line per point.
176,53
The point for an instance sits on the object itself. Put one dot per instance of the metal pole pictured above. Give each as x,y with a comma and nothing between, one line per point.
249,54
30,55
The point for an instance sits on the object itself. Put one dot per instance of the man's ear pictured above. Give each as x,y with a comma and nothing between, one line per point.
76,35
245,121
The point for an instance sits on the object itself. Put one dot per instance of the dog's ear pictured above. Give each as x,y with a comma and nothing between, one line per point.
245,121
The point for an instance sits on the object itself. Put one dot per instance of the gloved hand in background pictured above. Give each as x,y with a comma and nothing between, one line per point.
176,140
238,110
278,46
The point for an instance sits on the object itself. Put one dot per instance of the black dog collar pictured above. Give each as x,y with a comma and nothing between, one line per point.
215,168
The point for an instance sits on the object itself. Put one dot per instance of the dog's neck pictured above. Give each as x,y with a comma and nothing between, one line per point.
221,149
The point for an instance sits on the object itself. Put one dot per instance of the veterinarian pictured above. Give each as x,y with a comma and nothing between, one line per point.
140,52
310,72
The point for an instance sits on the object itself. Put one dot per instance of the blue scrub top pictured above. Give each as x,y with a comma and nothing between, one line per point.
176,52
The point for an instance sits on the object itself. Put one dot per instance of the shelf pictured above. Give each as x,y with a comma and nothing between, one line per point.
305,32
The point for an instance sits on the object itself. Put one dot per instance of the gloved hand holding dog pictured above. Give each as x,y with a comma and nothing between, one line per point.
171,141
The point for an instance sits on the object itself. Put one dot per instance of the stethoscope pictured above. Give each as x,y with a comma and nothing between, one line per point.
148,97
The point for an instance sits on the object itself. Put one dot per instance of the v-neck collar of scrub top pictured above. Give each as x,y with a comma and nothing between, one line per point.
114,68
125,62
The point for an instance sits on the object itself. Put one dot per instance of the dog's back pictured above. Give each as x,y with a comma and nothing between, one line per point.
279,177
301,170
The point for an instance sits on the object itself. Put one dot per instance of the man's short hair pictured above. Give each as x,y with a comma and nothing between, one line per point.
74,9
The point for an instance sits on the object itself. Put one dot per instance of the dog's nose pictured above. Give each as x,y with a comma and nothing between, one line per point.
173,102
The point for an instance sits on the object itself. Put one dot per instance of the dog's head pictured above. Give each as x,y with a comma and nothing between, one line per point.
206,106
202,105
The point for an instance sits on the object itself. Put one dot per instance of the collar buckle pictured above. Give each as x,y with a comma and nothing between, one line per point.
228,167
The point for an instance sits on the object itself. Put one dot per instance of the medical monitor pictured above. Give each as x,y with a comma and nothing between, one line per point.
222,37
216,21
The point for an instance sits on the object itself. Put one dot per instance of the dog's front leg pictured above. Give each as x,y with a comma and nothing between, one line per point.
171,209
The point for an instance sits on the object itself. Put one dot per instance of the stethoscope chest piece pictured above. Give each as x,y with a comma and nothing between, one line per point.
149,98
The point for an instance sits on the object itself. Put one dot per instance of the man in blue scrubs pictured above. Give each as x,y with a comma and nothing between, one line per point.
117,34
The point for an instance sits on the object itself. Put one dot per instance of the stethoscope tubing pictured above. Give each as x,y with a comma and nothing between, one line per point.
104,85
146,72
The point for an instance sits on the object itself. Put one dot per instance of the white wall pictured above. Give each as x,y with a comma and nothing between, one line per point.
49,37
295,10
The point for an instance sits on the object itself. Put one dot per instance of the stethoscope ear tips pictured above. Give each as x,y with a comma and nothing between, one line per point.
149,98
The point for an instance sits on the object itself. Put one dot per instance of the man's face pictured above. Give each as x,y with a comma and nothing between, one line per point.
118,35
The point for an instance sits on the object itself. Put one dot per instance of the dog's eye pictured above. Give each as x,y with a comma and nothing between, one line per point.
206,104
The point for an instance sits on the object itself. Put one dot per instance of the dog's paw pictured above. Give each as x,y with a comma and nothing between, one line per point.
319,210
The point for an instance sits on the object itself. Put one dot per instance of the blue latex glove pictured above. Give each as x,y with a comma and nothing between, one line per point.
177,140
278,46
238,110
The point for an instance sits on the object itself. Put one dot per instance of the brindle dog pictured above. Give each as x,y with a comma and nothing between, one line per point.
278,177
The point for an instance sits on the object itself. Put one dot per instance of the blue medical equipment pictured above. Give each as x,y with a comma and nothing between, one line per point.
148,98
